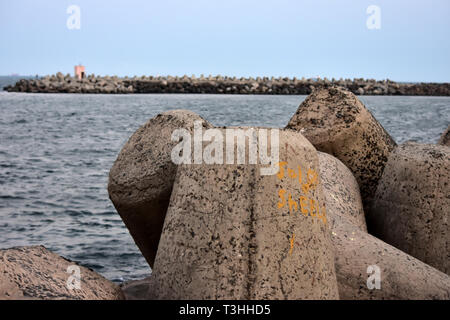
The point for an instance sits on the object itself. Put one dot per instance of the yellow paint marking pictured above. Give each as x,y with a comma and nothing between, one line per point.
292,243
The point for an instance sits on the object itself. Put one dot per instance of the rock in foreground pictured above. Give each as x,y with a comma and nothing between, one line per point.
37,273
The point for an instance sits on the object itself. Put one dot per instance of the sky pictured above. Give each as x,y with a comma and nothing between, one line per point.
297,38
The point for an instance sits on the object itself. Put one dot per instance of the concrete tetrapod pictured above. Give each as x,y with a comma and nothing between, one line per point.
232,233
338,123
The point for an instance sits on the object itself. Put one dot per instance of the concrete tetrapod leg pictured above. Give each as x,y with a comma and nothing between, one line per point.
341,191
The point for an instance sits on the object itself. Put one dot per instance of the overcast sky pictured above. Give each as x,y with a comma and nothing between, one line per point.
327,38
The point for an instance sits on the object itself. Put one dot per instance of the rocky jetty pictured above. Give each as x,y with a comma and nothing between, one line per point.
60,83
37,273
225,231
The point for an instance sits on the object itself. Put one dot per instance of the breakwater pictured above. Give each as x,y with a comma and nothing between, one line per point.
60,83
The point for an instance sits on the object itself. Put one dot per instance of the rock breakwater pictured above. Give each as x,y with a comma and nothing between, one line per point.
60,83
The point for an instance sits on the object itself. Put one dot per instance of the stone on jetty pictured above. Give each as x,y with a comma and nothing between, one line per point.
59,76
445,138
141,179
37,273
232,233
341,191
402,276
411,207
336,122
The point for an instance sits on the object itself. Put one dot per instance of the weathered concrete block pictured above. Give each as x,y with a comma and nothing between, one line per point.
412,203
401,276
141,179
232,233
37,273
336,122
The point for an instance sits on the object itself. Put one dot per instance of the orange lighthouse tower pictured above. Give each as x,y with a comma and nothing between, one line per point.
80,72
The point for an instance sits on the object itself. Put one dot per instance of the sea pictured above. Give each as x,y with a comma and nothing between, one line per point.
56,151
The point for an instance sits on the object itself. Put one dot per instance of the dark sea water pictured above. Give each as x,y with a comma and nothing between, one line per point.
56,151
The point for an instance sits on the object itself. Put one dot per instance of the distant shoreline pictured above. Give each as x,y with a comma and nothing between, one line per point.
219,85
